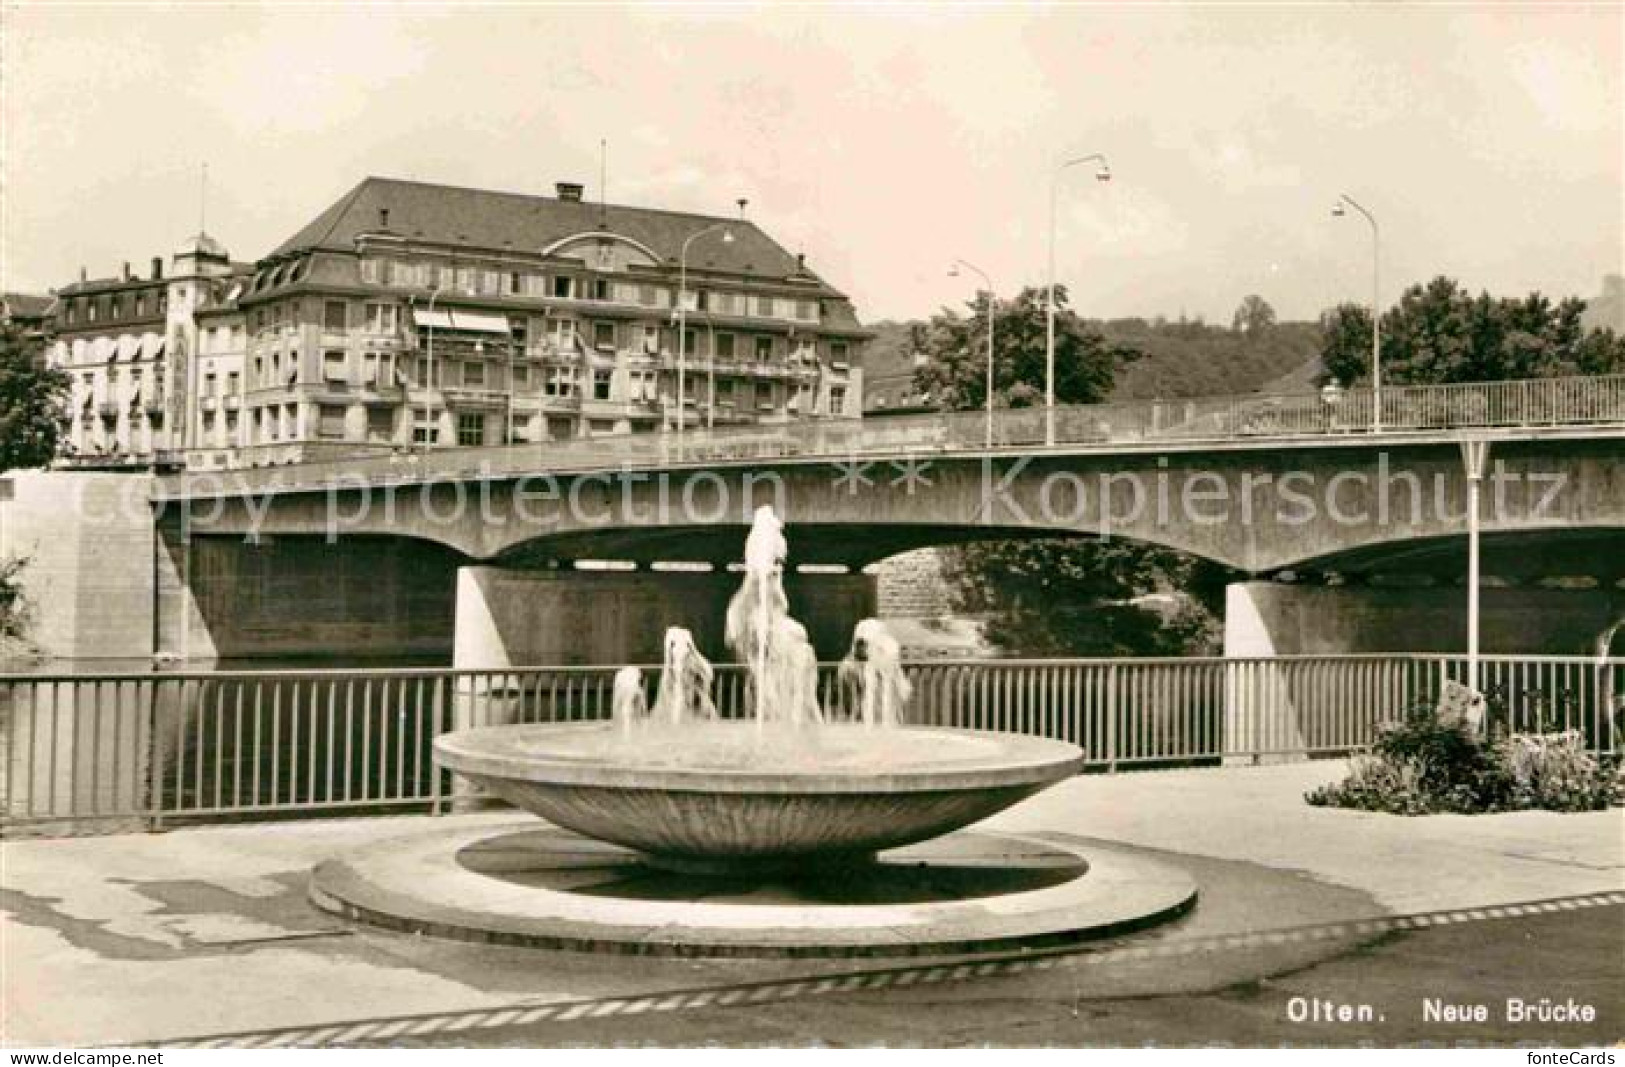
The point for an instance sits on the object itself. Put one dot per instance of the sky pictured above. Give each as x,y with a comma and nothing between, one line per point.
884,142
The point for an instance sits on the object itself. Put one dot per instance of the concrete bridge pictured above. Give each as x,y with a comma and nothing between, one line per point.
1347,523
1382,514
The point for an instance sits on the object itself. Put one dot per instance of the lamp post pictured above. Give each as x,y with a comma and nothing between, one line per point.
953,272
1102,173
682,322
1475,454
432,434
1340,209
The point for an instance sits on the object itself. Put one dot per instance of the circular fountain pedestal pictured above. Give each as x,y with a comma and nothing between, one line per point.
521,884
727,838
734,797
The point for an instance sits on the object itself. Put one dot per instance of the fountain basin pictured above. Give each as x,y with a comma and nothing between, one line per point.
730,796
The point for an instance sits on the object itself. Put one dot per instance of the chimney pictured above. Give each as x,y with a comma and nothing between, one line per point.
157,267
801,262
570,191
84,275
126,272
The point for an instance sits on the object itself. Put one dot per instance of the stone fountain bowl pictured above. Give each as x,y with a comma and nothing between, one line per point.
726,796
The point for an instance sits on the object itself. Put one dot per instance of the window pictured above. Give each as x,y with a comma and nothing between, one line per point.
521,377
95,309
651,339
516,282
330,421
118,308
231,426
380,424
163,302
564,335
233,383
335,315
471,429
518,329
491,282
333,368
806,311
603,335
561,381
474,374
764,395
764,348
764,306
600,289
837,399
643,386
837,351
208,384
725,392
601,379
646,295
382,318
425,427
140,305
725,346
563,287
688,340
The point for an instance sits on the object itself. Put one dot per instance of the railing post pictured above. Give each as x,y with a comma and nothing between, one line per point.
436,728
155,772
1111,718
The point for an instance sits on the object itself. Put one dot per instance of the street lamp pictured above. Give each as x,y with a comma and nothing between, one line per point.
1340,209
1102,173
432,434
682,322
953,272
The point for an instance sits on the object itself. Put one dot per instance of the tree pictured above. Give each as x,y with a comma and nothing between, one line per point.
1057,596
1438,333
33,403
1345,352
954,374
33,415
1086,597
1253,315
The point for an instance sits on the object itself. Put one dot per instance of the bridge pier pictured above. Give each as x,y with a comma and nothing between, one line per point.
1268,619
1278,619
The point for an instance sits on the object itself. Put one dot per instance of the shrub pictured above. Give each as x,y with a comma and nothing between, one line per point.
1421,765
1555,772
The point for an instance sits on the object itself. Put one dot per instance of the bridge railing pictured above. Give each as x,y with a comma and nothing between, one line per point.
1596,400
134,751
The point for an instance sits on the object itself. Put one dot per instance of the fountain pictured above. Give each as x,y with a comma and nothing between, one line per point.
792,793
789,785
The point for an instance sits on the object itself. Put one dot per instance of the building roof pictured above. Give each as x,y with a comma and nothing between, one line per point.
201,244
107,285
484,218
25,305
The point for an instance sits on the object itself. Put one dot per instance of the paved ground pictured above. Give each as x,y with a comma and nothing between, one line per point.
1565,956
197,932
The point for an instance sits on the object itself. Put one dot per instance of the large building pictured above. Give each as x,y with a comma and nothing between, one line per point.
127,344
410,314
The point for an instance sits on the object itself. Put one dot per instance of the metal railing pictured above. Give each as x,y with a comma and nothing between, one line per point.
1580,401
131,751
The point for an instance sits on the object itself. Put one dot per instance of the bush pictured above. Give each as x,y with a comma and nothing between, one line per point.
1555,772
1421,766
